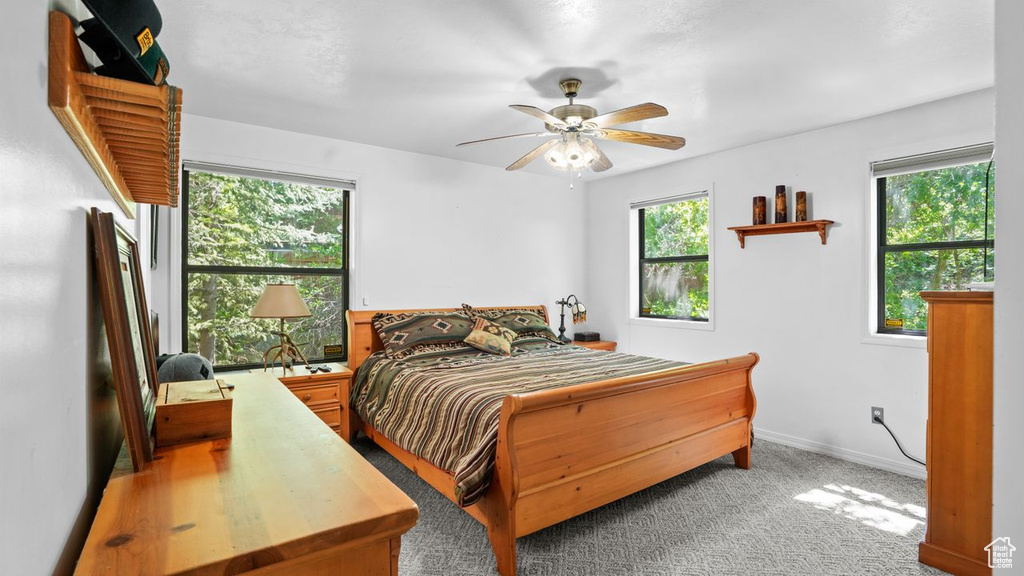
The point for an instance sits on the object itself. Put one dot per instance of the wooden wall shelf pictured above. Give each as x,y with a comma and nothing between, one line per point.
819,226
127,131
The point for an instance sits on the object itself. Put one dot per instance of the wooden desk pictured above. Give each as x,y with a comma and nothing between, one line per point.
284,494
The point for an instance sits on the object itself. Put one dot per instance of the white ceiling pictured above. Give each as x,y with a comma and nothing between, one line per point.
424,75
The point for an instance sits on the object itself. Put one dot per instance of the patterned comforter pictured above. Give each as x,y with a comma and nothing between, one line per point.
445,407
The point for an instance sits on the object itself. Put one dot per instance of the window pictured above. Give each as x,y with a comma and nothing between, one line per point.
935,231
674,265
244,229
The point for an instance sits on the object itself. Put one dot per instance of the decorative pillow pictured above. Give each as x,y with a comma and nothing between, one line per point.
520,320
545,334
442,349
527,345
402,333
491,337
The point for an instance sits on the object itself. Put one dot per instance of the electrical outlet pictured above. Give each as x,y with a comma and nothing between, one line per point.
879,412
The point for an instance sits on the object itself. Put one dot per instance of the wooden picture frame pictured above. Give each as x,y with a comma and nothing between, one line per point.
129,338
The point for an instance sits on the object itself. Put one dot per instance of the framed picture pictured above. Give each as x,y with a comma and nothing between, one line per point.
129,338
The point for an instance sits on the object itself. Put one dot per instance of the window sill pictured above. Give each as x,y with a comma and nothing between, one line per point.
901,340
673,323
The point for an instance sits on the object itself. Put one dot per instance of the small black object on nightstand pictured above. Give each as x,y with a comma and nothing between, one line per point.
587,336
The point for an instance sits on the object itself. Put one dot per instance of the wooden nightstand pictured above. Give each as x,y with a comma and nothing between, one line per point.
321,391
608,345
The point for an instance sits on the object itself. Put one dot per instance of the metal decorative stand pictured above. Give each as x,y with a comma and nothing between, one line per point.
287,351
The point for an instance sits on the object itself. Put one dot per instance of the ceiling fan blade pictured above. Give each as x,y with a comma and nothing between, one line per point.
539,114
645,138
504,137
600,162
532,154
631,114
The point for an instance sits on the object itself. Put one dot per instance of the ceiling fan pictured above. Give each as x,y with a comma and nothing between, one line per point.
577,126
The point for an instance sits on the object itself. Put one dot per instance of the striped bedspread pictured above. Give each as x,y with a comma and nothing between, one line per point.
446,409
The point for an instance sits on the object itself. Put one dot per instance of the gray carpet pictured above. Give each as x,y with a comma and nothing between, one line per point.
793,512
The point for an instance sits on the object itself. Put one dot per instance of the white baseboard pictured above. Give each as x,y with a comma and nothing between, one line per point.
904,468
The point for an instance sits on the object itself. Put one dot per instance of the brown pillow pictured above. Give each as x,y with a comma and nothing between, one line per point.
491,337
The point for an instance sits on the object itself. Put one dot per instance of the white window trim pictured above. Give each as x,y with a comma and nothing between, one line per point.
633,288
871,334
869,299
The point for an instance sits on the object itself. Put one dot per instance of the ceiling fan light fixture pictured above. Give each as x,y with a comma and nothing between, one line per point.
570,154
575,155
588,153
556,157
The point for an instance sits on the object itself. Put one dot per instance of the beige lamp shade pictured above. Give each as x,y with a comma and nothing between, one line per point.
280,301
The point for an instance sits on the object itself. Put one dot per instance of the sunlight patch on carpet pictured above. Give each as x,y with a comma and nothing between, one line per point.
869,508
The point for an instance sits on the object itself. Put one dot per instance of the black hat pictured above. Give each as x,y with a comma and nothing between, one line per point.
123,34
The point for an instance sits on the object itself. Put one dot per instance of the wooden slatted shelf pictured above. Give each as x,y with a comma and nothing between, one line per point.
819,226
128,132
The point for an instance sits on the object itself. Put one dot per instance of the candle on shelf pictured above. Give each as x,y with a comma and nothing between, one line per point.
801,206
760,210
780,204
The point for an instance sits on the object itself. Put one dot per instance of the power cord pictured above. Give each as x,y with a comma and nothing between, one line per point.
898,445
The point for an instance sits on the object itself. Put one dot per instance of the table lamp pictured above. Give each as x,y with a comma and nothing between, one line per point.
281,301
578,310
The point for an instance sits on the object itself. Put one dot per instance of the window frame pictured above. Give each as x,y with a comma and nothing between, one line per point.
926,162
636,314
346,187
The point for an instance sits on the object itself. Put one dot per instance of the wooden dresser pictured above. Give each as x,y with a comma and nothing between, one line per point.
597,345
283,495
959,451
319,391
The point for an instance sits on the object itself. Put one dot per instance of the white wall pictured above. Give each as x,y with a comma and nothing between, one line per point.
799,304
785,296
426,231
1008,462
52,358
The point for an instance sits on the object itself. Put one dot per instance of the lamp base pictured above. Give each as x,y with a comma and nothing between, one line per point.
286,351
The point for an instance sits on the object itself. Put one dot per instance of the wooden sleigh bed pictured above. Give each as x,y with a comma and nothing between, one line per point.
562,452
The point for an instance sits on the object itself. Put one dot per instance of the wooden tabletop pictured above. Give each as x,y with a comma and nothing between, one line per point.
283,486
957,295
609,345
298,373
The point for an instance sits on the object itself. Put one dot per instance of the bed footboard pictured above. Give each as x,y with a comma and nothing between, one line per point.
566,451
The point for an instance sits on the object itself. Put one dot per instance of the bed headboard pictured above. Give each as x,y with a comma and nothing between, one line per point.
363,339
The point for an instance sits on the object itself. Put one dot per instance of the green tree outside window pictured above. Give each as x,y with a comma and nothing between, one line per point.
936,232
674,260
242,233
